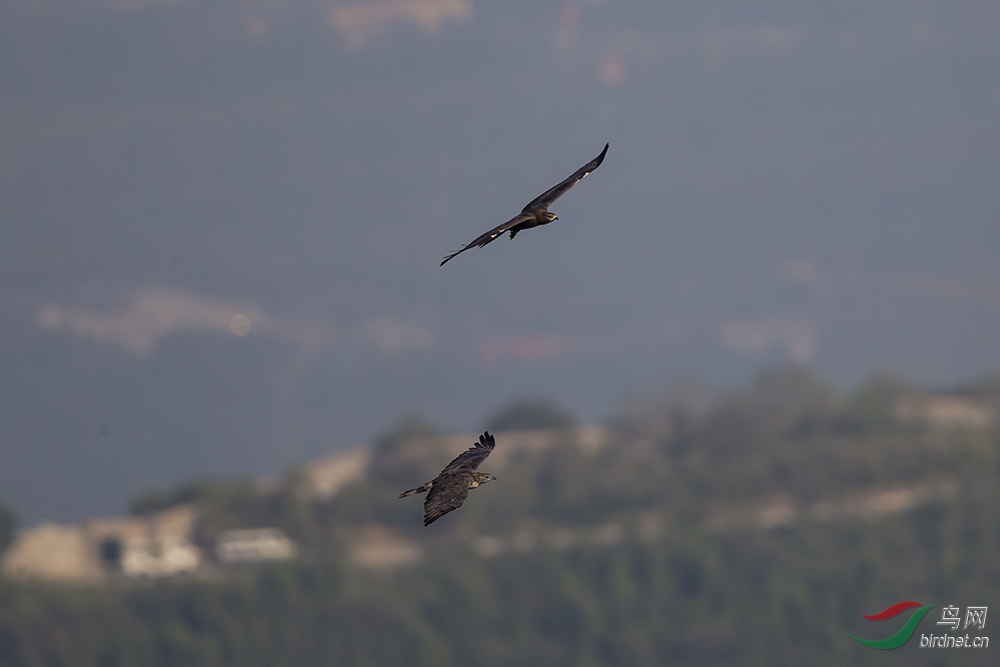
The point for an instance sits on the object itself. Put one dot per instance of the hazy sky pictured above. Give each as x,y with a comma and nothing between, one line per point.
221,222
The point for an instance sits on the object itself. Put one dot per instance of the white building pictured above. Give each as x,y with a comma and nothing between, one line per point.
253,545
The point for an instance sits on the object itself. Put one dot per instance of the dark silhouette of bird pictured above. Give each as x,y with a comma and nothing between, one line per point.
449,489
537,211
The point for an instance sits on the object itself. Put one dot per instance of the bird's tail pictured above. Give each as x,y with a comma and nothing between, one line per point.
420,489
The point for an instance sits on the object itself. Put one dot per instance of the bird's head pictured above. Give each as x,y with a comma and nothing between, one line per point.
551,216
486,477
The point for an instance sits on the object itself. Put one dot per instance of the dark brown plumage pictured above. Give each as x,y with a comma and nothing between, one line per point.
449,489
537,211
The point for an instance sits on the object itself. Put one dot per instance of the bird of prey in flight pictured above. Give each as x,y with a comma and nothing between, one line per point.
537,211
448,490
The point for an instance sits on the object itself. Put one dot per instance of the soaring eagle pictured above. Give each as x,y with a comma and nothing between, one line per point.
448,490
537,211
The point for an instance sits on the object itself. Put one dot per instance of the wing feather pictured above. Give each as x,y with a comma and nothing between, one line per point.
471,458
546,198
448,493
491,235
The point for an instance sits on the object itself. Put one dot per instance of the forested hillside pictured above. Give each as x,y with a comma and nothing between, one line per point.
752,527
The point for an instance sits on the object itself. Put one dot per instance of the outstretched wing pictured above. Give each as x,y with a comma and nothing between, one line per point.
546,198
492,234
470,459
448,493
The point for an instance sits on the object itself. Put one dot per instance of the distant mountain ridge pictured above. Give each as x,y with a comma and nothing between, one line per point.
573,486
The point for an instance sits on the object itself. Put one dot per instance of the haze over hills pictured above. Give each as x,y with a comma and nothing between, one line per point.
785,183
749,528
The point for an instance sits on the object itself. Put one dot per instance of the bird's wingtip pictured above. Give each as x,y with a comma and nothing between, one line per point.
448,258
600,158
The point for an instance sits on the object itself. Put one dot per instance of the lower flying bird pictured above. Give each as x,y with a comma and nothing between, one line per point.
449,489
537,211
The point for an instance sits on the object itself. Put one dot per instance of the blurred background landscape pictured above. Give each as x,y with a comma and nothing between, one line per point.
750,528
752,366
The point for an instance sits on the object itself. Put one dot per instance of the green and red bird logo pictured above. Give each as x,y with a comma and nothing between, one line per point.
904,634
